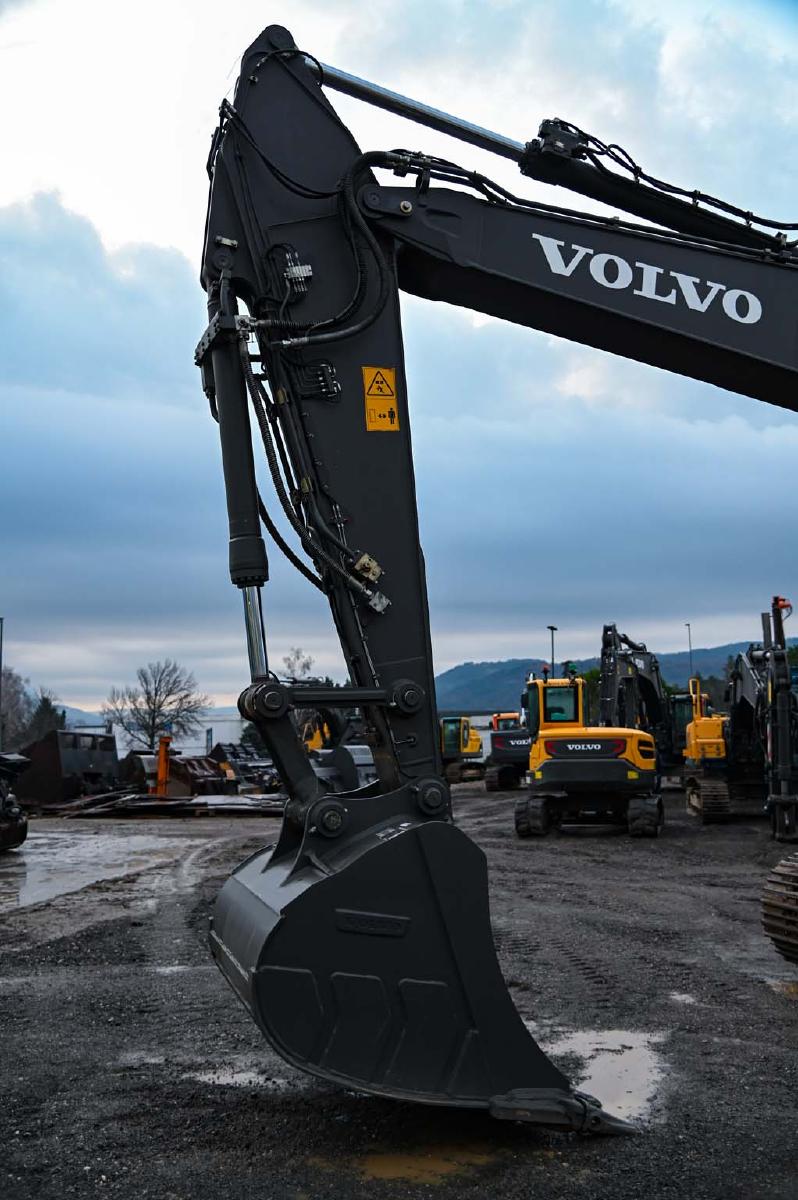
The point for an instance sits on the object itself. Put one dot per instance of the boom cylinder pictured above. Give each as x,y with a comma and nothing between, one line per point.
248,564
422,114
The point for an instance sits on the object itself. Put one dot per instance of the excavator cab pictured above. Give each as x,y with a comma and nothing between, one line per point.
503,722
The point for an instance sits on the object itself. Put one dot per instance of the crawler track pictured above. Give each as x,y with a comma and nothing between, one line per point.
780,908
710,801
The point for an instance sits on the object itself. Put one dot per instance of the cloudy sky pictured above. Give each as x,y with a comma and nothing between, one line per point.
556,483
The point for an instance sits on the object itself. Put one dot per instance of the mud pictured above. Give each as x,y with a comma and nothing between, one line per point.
127,1067
55,863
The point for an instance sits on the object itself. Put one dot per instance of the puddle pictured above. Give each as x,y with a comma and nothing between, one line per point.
424,1165
682,998
427,1164
56,864
620,1068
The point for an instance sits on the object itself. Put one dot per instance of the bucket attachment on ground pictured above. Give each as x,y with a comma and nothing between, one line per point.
367,959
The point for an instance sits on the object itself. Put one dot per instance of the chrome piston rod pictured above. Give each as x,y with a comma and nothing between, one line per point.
422,114
256,639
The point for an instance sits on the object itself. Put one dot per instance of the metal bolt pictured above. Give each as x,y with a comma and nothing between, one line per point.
374,198
332,820
272,699
433,797
405,207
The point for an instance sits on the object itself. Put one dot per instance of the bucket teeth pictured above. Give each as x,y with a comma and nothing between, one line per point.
577,1112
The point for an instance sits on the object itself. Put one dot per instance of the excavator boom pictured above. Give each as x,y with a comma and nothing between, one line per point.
361,942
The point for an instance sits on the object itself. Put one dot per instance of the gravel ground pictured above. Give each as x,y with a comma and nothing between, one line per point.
127,1068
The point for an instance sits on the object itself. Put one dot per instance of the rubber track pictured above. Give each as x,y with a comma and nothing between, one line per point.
780,908
531,817
492,780
714,802
643,819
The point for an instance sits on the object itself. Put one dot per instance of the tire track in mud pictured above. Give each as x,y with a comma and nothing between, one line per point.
558,979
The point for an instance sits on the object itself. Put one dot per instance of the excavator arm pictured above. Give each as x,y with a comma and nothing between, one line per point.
632,691
781,724
361,942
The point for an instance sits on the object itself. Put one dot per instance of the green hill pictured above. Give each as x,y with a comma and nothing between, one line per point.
492,686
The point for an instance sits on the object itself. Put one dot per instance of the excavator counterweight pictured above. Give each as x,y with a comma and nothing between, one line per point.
361,941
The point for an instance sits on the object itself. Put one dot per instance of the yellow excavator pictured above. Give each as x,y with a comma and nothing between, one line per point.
705,756
461,748
731,766
585,774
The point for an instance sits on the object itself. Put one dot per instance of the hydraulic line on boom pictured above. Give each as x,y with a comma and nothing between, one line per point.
361,942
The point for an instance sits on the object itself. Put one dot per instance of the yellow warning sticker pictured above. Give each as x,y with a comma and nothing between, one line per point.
379,391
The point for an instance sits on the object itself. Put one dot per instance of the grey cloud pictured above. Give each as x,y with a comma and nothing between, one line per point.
689,99
111,326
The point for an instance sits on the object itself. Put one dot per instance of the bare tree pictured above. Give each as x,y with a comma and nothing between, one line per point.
297,663
165,701
17,709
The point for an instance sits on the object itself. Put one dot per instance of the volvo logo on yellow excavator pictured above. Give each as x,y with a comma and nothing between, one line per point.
583,745
651,282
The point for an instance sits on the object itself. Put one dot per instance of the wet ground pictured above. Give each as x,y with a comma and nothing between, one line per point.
128,1069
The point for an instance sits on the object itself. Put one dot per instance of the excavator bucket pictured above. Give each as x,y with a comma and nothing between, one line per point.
370,963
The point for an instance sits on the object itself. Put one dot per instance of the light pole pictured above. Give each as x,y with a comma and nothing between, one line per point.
553,630
690,644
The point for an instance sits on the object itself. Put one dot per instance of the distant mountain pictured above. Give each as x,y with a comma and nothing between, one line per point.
496,686
77,717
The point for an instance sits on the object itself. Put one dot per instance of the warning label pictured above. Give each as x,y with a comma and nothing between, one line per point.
379,391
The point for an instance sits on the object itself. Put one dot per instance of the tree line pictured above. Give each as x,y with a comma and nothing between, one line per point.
165,699
26,715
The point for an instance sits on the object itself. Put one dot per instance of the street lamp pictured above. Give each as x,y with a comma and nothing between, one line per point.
690,644
553,630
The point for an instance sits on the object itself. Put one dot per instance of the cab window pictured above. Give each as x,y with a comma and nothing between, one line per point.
451,735
560,704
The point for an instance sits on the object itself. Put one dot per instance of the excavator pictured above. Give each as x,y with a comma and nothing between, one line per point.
632,691
508,757
780,897
705,757
360,942
733,761
461,748
583,774
605,773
